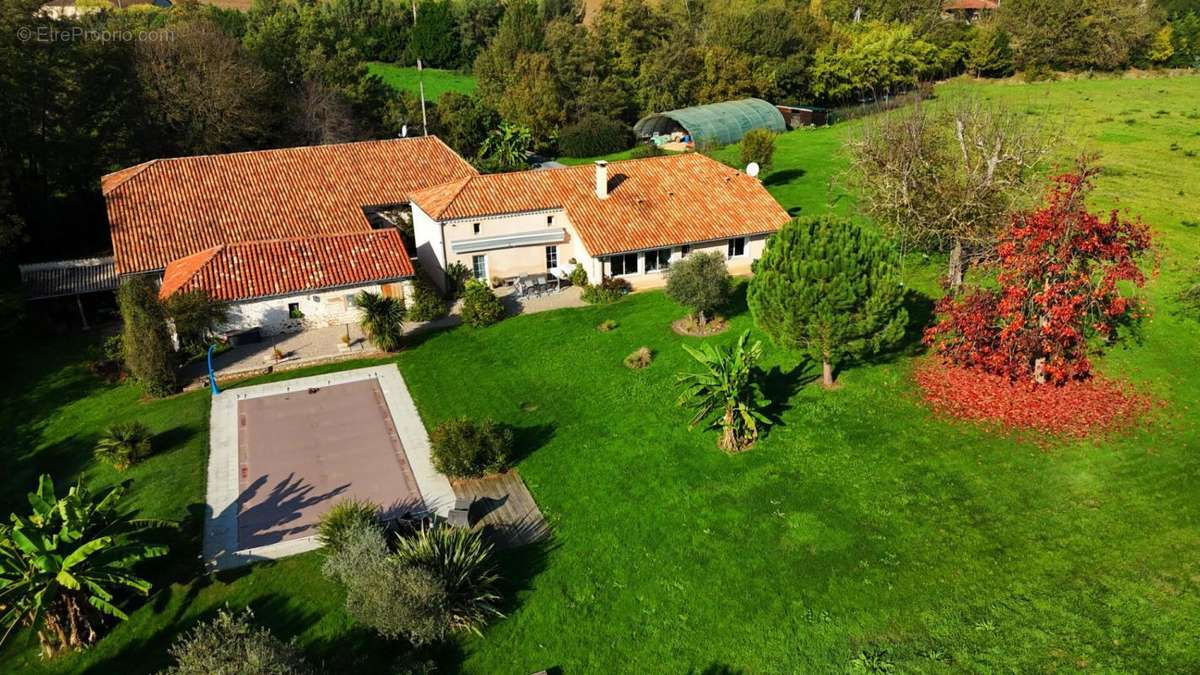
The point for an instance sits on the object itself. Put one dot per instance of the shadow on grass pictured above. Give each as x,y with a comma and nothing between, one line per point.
527,440
920,315
780,386
737,305
783,177
717,669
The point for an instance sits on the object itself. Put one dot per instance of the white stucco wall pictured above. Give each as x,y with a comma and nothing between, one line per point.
431,249
434,248
739,265
320,308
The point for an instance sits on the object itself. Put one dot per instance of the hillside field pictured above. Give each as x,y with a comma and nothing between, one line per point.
437,81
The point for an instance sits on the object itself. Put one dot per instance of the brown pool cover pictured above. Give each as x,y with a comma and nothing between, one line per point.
302,452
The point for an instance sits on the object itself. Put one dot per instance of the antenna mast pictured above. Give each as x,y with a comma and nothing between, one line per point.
420,80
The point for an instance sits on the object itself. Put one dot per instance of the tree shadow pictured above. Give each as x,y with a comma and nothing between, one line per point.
526,440
920,315
716,669
783,177
779,387
268,521
175,437
737,305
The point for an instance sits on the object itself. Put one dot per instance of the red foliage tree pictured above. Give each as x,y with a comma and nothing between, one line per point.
1059,266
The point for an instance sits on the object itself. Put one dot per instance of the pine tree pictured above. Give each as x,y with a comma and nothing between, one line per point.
827,287
148,351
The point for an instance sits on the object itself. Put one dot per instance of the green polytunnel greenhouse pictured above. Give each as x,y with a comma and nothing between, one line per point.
721,123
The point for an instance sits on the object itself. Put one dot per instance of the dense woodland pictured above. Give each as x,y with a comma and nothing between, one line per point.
145,83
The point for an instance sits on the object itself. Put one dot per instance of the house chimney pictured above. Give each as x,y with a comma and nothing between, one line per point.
601,179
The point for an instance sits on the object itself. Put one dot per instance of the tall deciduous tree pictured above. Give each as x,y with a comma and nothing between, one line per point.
946,178
145,338
1059,269
202,90
829,288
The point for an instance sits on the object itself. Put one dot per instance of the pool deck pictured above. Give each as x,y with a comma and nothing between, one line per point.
394,426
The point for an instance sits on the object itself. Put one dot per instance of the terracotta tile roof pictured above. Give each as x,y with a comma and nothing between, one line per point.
655,202
281,266
171,208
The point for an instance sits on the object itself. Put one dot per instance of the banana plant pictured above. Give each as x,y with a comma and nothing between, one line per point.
63,565
727,393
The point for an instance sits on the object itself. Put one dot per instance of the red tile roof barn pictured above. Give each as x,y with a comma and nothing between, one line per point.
172,208
257,269
651,203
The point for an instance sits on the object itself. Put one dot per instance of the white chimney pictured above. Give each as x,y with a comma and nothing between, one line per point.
601,179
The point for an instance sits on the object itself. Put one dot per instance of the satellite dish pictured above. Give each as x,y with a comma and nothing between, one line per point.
404,131
752,169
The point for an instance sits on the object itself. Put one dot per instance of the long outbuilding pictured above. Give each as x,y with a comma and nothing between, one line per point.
715,123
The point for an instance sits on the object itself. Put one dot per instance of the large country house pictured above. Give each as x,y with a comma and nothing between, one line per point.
289,236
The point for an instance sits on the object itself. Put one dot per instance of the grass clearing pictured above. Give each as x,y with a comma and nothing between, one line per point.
437,81
861,529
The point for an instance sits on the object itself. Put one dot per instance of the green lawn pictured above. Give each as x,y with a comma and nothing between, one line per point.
860,530
437,81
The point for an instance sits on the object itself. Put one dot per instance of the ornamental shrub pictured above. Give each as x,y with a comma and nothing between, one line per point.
465,449
231,643
594,135
145,339
758,145
426,304
124,445
609,290
579,276
394,599
480,307
344,516
462,562
639,358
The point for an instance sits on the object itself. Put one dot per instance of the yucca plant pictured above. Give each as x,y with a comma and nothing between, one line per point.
343,516
62,566
124,444
727,393
461,560
382,319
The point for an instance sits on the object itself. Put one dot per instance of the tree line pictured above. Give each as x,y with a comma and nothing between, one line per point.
197,79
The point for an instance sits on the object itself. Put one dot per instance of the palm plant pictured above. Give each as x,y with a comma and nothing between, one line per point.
62,566
123,445
463,563
507,147
728,392
382,319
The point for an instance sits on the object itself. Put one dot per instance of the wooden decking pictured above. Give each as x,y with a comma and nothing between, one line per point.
503,508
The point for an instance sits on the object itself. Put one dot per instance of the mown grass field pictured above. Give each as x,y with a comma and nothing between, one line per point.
861,533
437,81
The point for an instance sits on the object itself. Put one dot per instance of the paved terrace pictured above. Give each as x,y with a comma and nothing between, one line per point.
324,344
